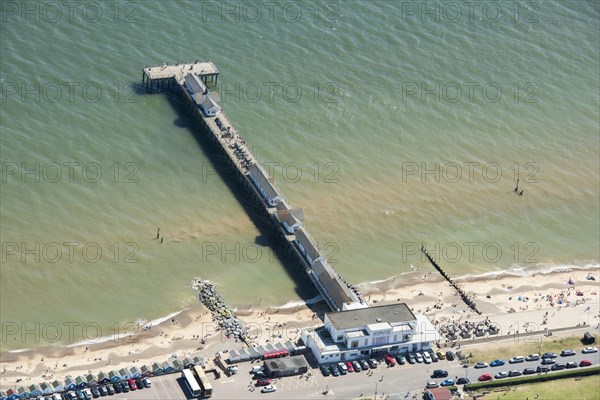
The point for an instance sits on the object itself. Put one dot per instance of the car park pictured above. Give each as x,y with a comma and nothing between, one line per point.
419,357
400,359
103,391
147,382
439,373
325,370
585,363
548,361
567,353
497,363
462,381
411,359
515,372
516,359
543,368
485,377
529,371
549,355
447,382
262,381
432,385
571,364
558,367
588,350
450,355
501,374
269,389
373,363
364,364
532,357
427,357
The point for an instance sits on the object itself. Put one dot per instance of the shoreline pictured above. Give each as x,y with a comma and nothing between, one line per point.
192,331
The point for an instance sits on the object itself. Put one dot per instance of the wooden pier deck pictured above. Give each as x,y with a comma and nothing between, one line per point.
338,294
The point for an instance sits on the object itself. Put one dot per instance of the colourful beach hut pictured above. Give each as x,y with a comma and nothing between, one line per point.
46,388
57,386
125,374
135,372
23,393
114,376
188,363
3,395
91,380
35,390
12,394
177,365
103,378
157,369
146,370
81,382
167,367
198,361
70,384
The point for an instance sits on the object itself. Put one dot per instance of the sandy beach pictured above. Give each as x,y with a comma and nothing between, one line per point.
536,299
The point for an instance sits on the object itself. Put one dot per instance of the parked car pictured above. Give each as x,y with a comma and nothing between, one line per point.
343,368
480,365
334,370
432,385
515,372
118,388
349,366
571,364
389,360
434,357
529,371
110,390
269,389
356,366
87,394
588,350
501,374
447,382
325,370
516,359
532,357
147,382
262,381
441,355
419,357
558,367
80,395
132,384
567,353
450,355
411,359
549,355
401,360
548,361
497,363
439,373
364,364
485,377
257,368
373,363
95,392
462,381
585,363
427,358
543,368
103,391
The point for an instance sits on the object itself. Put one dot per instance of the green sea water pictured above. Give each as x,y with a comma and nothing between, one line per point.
391,123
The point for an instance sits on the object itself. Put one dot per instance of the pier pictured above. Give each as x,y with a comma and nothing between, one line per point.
191,81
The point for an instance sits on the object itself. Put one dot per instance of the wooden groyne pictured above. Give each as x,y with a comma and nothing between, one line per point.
190,80
460,292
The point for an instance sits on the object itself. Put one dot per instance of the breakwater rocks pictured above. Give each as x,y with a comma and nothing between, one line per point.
220,311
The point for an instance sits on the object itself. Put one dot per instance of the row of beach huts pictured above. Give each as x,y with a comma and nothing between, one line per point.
35,391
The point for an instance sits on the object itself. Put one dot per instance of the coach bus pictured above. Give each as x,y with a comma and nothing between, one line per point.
191,382
204,383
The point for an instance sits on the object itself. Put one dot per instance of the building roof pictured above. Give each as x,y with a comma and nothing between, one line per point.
392,314
195,84
440,393
306,241
285,363
338,291
261,177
